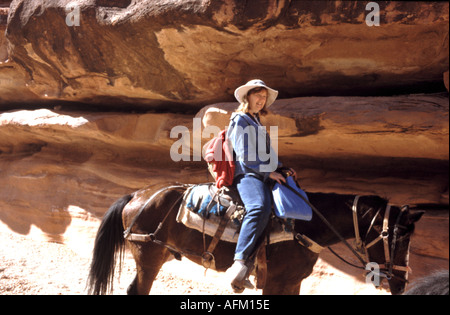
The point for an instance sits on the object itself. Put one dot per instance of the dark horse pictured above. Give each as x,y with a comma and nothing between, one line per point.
288,262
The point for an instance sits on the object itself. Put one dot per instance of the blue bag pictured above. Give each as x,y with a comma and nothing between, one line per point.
288,205
200,201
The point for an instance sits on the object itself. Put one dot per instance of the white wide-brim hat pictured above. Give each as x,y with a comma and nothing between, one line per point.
243,90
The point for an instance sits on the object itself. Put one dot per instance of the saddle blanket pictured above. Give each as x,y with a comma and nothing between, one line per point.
201,212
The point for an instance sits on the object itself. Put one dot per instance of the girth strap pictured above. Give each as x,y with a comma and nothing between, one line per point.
208,259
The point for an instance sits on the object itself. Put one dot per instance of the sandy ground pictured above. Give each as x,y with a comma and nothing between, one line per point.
30,265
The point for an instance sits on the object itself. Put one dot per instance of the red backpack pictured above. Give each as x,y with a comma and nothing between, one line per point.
219,156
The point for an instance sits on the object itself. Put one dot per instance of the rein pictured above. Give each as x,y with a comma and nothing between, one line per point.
385,269
327,223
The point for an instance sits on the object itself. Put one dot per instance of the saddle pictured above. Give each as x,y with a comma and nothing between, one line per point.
206,208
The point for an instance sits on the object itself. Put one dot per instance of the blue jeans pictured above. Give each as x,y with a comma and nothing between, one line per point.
257,199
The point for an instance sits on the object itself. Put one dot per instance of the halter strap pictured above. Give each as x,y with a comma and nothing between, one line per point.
384,236
359,243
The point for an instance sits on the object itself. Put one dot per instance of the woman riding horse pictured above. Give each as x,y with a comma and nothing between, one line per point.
253,174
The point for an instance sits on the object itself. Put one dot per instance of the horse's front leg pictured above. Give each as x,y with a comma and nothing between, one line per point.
288,263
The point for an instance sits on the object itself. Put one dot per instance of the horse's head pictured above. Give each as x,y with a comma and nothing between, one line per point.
387,244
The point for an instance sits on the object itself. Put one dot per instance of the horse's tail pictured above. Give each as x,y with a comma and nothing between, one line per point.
108,248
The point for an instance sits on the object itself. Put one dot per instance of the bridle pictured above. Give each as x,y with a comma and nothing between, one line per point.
386,269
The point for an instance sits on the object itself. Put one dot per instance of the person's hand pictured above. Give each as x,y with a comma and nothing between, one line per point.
293,173
277,177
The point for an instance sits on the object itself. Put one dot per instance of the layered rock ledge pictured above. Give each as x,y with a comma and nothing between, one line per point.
188,54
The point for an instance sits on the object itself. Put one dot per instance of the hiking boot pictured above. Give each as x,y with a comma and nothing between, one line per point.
237,274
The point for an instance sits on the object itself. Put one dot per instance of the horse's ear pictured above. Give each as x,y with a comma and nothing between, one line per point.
415,216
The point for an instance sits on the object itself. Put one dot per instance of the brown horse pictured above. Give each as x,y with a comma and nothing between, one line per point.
288,263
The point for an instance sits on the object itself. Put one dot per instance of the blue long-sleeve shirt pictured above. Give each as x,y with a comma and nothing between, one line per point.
252,146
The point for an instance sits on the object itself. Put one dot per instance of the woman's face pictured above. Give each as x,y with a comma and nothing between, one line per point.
256,101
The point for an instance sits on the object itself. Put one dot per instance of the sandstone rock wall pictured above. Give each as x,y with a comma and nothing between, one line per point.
194,53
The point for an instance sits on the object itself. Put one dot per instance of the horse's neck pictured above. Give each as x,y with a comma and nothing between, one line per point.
337,209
